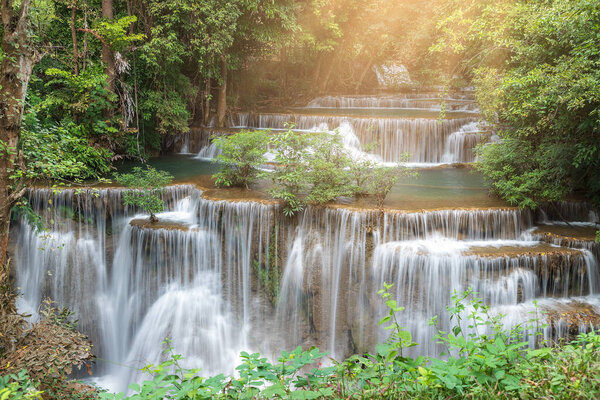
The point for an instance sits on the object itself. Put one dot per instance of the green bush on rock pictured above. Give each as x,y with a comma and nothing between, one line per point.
309,168
241,154
147,187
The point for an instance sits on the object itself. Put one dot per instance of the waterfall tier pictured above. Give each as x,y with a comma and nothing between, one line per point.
428,141
219,277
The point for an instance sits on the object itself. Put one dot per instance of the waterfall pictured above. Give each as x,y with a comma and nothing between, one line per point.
424,139
418,267
460,144
428,101
185,147
219,277
209,152
132,286
392,76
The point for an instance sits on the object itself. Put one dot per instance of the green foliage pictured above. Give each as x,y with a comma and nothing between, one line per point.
18,387
148,186
483,360
289,177
523,175
569,373
316,169
327,166
79,98
241,154
116,34
310,169
166,111
373,179
535,67
62,153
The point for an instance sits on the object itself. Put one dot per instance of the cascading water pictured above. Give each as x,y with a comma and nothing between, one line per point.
219,277
428,101
424,139
132,286
209,152
460,144
201,276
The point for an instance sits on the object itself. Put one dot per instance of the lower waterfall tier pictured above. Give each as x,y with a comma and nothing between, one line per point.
217,277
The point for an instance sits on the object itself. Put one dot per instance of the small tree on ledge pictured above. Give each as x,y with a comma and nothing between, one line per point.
147,187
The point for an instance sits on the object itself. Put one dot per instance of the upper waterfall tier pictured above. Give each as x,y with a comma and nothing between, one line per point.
428,101
428,141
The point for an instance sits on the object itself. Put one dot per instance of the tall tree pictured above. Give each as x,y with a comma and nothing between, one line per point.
108,57
18,58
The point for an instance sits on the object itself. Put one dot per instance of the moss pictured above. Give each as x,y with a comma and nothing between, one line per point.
268,271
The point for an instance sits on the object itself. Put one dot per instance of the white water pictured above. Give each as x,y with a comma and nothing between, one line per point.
392,76
200,279
427,101
460,144
196,282
209,152
424,139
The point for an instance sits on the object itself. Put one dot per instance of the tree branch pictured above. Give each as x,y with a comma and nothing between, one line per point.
93,32
23,17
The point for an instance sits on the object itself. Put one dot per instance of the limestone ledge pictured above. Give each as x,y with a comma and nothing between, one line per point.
542,249
165,225
553,233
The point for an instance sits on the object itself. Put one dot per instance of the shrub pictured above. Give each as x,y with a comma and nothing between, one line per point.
311,168
289,177
241,154
148,186
328,169
373,179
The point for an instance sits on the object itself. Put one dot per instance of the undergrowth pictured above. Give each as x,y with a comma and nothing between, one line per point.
482,360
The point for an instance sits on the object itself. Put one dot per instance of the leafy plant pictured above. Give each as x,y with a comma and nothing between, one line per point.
18,387
373,179
533,69
483,360
289,177
315,168
241,154
328,169
148,187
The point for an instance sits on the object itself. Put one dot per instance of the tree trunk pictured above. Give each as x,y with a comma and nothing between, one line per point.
74,38
362,76
283,72
15,72
222,96
85,41
206,108
107,54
